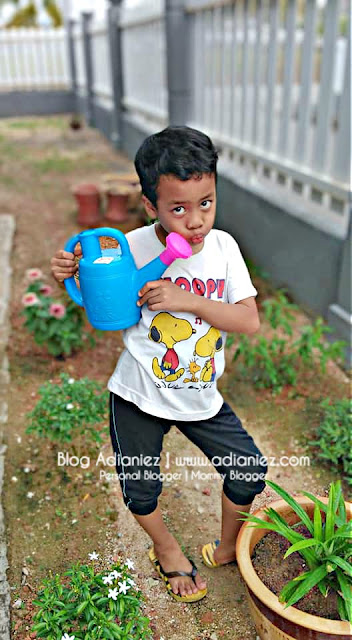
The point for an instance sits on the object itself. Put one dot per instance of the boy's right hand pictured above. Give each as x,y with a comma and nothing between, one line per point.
63,264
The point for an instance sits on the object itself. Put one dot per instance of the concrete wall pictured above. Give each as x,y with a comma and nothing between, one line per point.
296,255
35,103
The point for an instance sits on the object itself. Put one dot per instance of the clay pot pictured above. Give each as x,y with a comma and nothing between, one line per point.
117,206
271,620
125,182
88,201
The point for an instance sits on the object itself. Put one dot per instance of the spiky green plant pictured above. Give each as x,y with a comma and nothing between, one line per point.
327,552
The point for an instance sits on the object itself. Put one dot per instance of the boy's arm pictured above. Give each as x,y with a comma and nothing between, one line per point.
239,317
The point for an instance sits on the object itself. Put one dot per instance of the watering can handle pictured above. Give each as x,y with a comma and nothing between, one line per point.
109,232
70,283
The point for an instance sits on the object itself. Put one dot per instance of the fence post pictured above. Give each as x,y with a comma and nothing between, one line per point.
87,54
178,61
115,47
340,313
70,22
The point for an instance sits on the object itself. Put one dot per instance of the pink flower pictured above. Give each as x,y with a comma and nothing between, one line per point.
46,290
57,310
34,274
30,299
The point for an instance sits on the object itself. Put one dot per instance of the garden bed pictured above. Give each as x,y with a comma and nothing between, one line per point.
55,515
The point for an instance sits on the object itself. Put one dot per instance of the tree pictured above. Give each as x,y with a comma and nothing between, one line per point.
27,16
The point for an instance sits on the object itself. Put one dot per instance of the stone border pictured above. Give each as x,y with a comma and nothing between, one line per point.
7,228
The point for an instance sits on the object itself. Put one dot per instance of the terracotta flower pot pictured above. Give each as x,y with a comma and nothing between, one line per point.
117,206
125,182
88,201
271,620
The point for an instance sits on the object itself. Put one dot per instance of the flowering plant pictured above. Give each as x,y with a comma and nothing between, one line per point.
67,409
57,325
90,603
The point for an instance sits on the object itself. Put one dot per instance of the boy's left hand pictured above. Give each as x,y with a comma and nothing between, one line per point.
165,295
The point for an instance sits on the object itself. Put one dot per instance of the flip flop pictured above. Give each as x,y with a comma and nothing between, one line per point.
208,555
194,597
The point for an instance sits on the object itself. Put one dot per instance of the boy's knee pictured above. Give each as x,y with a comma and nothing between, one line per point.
140,497
243,483
141,507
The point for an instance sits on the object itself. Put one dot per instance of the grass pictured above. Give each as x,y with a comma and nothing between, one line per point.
55,163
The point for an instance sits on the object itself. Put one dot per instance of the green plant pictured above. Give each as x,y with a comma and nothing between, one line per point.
91,604
67,409
311,342
327,552
274,361
56,325
56,163
334,435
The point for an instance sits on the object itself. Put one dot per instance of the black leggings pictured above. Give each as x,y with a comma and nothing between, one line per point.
136,435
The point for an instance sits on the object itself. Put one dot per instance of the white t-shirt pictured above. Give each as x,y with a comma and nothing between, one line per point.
172,360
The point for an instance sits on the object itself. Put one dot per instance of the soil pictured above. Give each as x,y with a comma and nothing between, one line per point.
275,571
74,510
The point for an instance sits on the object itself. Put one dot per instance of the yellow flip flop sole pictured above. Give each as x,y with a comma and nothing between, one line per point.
208,554
194,597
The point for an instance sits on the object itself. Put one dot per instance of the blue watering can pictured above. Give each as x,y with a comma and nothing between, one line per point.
109,279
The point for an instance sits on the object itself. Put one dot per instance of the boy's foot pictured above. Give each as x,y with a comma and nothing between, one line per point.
171,558
224,554
216,554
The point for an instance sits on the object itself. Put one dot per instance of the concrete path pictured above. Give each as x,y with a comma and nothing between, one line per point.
7,227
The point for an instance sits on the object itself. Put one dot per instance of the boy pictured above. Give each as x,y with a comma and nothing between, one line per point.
167,374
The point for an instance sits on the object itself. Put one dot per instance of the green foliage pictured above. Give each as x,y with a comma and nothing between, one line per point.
274,362
27,16
55,163
256,271
66,410
78,603
334,436
327,551
57,326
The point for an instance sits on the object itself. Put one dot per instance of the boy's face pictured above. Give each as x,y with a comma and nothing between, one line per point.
187,207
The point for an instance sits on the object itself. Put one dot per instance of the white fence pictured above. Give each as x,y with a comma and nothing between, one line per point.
271,86
273,91
144,63
33,59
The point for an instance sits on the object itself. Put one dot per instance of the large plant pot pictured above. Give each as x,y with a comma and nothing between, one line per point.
88,201
271,620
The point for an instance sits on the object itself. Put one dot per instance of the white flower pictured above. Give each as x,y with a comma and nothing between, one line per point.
129,564
26,469
113,593
30,494
115,574
14,479
19,439
108,579
67,637
123,587
70,380
93,556
132,582
69,406
74,521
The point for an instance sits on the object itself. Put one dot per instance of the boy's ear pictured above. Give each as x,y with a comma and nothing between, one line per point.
149,207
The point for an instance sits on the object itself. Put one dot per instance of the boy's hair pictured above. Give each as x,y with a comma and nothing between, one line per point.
178,151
